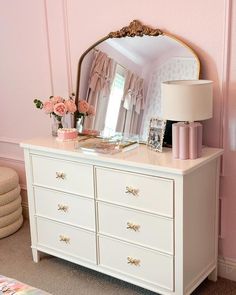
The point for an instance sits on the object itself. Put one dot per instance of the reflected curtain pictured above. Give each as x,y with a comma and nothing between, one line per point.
99,87
132,104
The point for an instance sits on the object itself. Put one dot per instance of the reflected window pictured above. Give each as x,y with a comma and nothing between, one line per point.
117,92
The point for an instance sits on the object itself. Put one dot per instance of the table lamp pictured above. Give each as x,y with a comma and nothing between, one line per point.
187,101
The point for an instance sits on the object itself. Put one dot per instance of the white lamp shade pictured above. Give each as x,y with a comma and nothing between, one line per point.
187,100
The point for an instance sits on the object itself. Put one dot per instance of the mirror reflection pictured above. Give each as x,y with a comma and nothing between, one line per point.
121,78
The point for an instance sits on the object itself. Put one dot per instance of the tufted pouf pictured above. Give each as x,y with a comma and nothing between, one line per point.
8,180
11,217
11,229
10,196
10,207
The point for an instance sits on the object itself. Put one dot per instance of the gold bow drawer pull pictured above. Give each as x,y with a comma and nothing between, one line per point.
133,261
60,175
63,208
64,239
133,226
132,191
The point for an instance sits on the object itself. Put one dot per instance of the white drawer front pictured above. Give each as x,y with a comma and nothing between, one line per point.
63,175
64,207
138,191
145,229
67,239
138,262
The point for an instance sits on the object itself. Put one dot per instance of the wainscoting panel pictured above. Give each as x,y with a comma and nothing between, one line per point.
56,18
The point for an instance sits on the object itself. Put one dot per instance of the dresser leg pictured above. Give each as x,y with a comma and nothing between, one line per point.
213,275
36,255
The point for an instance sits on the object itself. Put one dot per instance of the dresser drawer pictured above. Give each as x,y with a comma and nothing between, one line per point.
63,175
66,239
153,194
65,207
138,227
147,265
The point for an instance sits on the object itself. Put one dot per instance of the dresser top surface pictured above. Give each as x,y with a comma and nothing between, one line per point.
141,156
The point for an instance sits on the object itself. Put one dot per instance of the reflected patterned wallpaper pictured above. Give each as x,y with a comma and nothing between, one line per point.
177,68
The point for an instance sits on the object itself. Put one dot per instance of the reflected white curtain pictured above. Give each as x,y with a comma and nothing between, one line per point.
132,104
99,87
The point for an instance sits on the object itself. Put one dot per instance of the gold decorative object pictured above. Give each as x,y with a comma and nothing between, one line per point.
133,226
62,208
60,175
132,191
64,239
135,28
133,261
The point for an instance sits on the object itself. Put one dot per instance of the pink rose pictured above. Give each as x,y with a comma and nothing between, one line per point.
60,109
70,105
91,110
48,107
83,106
56,99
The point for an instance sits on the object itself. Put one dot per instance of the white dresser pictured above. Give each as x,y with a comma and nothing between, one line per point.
139,216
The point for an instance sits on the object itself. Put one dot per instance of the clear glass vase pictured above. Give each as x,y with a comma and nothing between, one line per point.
58,122
80,124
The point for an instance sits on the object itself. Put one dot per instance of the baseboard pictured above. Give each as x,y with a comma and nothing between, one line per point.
25,210
227,268
23,186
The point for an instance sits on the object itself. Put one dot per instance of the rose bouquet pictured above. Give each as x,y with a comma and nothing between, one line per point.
57,107
84,109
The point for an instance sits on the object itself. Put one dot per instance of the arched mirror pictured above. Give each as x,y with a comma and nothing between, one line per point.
121,74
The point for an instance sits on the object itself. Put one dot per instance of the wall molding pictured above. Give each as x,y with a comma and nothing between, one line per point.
12,159
227,268
23,187
10,140
67,46
225,75
25,209
56,20
48,46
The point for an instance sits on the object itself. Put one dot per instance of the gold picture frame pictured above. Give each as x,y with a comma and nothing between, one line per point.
156,134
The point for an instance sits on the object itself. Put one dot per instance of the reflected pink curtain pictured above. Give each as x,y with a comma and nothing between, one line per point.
99,87
132,104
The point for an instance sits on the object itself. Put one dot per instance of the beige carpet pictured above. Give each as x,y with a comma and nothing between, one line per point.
64,278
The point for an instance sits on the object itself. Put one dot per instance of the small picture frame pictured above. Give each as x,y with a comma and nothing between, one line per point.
156,134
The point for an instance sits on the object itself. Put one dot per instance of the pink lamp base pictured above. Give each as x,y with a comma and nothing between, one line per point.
187,140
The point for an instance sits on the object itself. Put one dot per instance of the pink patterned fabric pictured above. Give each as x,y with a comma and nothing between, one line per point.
10,286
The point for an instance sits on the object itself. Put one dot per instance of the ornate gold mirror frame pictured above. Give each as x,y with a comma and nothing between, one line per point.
135,28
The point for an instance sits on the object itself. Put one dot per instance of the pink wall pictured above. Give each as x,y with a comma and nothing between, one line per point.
228,183
41,47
